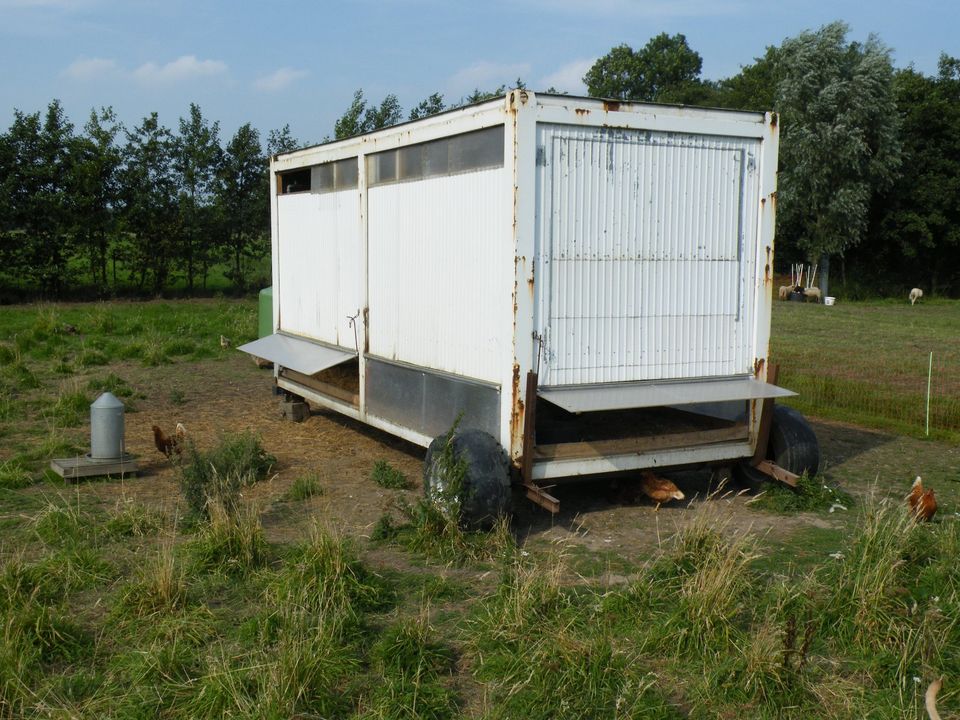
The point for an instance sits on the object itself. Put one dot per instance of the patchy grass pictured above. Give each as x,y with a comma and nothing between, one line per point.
812,494
304,487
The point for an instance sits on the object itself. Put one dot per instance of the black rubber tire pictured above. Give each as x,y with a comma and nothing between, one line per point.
793,446
486,494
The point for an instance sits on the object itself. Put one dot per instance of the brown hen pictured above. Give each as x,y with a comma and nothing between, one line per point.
659,489
923,503
169,444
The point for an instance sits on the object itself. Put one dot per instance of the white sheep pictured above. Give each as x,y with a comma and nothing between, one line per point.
811,292
785,291
915,295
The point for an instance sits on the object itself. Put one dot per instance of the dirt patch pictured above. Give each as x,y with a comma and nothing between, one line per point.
231,395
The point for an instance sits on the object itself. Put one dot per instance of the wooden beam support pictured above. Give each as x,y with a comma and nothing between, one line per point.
778,473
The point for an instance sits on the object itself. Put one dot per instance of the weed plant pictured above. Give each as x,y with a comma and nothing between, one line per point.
14,476
231,542
387,476
238,460
811,494
304,487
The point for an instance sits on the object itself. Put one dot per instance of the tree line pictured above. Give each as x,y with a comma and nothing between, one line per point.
869,183
115,209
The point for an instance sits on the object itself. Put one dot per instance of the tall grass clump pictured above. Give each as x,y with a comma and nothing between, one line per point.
239,459
162,585
304,487
411,667
230,542
72,407
14,476
387,476
534,619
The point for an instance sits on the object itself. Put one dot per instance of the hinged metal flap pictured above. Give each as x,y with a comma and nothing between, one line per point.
621,396
297,354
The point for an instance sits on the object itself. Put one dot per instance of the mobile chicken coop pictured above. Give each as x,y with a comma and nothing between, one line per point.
586,284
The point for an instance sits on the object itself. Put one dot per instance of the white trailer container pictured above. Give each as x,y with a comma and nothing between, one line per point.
588,282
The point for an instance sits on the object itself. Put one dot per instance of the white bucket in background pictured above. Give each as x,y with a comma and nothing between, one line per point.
829,300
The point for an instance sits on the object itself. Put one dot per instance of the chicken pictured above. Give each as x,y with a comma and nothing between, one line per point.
169,444
225,342
659,489
923,503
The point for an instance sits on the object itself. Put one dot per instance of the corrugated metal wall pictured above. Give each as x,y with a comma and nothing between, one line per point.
319,258
440,273
646,251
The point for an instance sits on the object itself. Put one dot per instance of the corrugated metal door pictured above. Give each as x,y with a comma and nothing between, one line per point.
318,288
646,250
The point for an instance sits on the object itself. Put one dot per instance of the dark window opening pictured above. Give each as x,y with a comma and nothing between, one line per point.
295,181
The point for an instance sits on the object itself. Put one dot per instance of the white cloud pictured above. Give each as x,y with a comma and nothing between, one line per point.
484,75
186,67
90,68
568,78
279,79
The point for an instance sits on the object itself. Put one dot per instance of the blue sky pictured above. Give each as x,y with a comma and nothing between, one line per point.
271,63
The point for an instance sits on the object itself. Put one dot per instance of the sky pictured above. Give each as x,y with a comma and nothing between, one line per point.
299,63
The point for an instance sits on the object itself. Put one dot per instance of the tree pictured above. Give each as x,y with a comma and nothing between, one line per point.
281,141
39,243
918,220
351,122
197,158
665,69
149,193
754,87
839,133
430,106
96,188
242,201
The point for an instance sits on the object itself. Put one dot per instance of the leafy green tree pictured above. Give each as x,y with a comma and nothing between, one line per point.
918,231
39,244
840,142
281,141
754,87
242,201
430,106
665,69
351,122
95,186
149,195
197,159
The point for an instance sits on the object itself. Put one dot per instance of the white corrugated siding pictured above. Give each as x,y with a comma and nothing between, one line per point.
440,273
319,259
646,245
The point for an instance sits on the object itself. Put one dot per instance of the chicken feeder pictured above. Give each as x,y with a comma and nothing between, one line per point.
106,456
106,428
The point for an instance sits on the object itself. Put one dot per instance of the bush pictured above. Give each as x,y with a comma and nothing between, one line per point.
238,460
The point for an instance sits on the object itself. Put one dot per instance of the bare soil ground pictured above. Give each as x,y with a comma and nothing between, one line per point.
601,518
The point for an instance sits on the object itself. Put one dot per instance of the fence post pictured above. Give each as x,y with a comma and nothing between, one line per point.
929,376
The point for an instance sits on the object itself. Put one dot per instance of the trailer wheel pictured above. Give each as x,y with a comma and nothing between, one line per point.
793,446
484,477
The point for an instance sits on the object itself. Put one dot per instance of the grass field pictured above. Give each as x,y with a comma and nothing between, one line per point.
868,363
114,605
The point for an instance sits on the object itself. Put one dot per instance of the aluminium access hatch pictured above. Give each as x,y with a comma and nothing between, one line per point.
622,396
298,354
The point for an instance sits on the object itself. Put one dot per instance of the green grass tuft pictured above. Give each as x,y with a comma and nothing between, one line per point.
14,476
387,476
304,487
812,494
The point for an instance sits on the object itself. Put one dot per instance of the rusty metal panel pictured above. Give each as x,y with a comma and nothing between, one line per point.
318,283
646,247
440,273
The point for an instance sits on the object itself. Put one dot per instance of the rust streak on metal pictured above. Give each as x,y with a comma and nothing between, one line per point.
611,105
582,111
774,119
758,366
516,412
